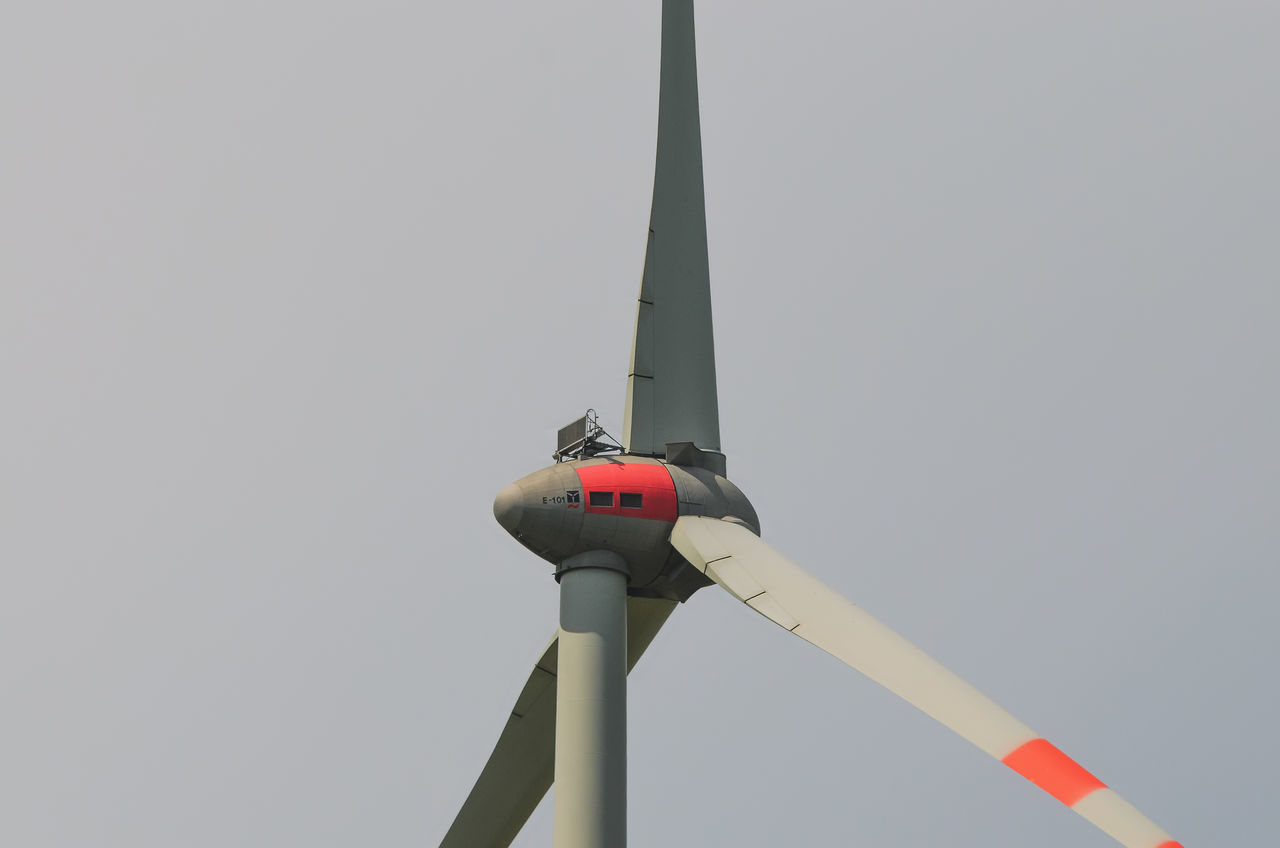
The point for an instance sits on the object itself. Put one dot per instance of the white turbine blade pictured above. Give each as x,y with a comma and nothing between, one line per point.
671,384
778,589
521,768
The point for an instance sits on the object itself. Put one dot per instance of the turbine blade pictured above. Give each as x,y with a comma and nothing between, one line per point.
778,589
671,384
520,769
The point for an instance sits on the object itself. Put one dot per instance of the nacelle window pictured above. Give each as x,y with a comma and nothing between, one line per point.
631,500
602,498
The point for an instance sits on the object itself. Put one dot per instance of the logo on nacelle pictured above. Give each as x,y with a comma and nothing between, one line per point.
573,498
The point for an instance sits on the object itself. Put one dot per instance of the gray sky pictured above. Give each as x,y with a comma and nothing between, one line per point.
289,291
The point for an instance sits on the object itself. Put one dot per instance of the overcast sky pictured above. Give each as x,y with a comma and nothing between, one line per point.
289,291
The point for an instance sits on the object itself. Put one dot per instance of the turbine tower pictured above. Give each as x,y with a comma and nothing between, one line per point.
635,529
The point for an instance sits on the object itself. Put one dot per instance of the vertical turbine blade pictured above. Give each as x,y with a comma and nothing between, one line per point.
671,386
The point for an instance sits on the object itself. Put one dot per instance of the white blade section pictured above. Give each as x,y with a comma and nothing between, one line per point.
772,585
671,384
521,768
777,588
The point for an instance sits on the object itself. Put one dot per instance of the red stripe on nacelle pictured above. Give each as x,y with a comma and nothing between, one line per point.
1053,771
652,482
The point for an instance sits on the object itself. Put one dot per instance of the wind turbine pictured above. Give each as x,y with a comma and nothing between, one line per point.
636,528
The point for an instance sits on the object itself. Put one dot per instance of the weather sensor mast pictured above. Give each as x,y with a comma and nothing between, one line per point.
583,439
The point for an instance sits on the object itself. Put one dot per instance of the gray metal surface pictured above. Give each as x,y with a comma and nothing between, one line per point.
701,492
521,768
533,509
591,705
539,512
671,384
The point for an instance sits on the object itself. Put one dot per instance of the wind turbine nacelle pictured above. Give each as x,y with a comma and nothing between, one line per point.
623,504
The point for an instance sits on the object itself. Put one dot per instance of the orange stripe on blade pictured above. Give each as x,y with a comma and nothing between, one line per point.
1170,844
1053,771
